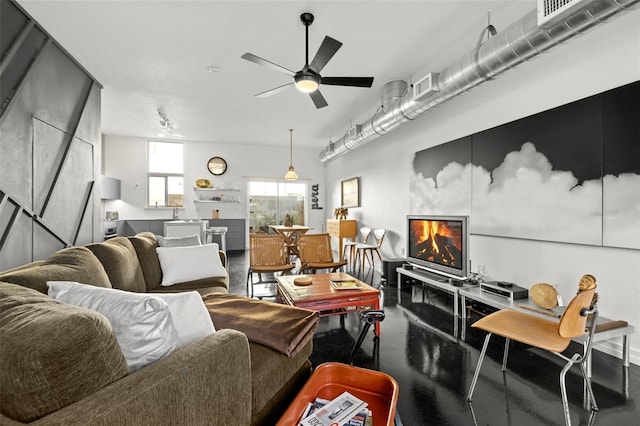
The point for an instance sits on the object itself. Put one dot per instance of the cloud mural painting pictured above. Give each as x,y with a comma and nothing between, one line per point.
553,176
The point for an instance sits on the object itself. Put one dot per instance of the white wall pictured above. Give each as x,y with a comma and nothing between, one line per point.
125,159
605,58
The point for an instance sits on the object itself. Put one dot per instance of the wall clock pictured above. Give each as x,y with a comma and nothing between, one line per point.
217,166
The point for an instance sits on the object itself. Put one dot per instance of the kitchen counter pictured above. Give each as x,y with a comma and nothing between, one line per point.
236,229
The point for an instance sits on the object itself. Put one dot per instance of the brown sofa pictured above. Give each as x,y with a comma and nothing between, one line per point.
61,364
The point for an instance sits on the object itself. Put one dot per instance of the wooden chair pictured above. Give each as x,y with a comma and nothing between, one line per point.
365,250
365,231
267,254
316,253
545,334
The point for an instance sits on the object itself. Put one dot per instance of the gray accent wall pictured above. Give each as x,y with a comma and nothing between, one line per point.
49,144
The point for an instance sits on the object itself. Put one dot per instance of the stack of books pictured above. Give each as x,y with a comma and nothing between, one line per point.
345,285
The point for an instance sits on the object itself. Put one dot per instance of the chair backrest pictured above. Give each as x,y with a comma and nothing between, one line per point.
379,234
315,248
573,323
365,231
267,250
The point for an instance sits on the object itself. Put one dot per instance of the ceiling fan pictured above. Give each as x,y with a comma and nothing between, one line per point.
308,79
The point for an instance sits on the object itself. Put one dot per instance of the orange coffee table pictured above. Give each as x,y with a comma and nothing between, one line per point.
322,297
330,379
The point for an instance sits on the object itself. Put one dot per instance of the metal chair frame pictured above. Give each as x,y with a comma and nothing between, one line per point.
511,325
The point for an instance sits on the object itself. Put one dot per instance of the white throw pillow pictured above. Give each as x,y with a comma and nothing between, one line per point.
190,316
182,264
190,240
142,323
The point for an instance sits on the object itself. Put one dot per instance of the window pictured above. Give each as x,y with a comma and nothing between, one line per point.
270,202
165,174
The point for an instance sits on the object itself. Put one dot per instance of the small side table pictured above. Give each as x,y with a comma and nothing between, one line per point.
342,228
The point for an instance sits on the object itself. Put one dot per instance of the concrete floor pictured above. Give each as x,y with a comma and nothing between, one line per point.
434,368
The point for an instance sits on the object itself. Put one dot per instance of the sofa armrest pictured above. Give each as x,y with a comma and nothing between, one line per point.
205,382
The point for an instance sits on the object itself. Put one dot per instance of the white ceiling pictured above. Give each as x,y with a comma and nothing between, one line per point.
152,55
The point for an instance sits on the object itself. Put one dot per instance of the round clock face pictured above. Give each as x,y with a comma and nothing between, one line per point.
217,166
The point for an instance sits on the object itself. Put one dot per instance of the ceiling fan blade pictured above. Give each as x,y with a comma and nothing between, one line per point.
258,60
318,100
274,90
347,81
327,49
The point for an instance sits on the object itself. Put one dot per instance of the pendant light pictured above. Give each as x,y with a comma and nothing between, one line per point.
291,174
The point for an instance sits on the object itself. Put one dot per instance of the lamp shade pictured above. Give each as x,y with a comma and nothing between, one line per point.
291,173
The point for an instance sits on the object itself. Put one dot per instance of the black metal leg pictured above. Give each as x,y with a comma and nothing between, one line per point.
369,318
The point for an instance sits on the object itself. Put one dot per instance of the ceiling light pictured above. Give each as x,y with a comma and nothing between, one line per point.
291,173
306,82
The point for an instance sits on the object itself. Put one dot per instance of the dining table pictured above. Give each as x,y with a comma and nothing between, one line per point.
291,234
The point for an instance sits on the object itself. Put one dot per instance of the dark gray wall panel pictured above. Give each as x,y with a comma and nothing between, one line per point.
88,128
65,209
48,101
18,246
56,80
50,145
46,242
15,153
12,22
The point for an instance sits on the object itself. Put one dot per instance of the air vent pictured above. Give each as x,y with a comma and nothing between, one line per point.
550,11
425,86
354,132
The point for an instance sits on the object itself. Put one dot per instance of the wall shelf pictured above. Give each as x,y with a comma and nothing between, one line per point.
217,195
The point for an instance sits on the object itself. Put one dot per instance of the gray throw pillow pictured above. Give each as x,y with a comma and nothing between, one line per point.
191,240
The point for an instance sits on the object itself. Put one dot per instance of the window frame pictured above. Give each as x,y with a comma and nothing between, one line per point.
165,175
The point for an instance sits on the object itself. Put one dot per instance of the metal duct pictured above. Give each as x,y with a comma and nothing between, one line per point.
521,41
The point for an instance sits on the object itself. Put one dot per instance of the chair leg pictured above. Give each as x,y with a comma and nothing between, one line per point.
477,372
587,380
250,283
563,391
505,355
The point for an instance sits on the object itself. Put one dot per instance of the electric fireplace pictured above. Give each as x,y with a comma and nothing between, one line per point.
439,244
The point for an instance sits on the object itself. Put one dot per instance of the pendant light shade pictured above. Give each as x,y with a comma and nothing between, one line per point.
291,174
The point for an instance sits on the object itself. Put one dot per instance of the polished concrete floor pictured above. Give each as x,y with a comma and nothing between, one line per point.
419,347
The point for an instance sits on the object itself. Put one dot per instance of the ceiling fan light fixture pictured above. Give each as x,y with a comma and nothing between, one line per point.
306,83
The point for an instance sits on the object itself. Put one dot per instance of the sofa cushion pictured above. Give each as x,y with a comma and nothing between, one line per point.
142,323
120,260
145,244
181,264
52,354
205,286
270,370
70,264
186,241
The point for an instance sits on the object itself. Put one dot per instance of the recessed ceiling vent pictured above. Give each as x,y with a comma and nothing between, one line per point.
550,11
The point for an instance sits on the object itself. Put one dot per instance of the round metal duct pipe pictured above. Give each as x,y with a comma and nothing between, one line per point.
521,41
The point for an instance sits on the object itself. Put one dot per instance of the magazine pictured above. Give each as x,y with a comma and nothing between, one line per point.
345,285
338,411
362,418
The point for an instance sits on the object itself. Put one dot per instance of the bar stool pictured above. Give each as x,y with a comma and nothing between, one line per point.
218,233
